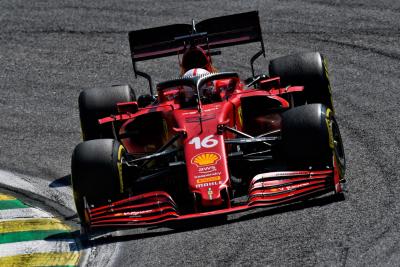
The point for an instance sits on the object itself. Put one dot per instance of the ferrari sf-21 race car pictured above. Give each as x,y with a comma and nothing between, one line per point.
207,143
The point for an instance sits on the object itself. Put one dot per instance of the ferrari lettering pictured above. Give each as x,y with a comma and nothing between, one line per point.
210,193
207,142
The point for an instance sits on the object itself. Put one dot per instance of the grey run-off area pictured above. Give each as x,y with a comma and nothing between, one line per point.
51,50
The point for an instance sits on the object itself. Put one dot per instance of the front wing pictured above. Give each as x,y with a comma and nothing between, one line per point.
265,190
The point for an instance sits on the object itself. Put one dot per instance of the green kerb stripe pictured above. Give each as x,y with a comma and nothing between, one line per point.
12,204
35,235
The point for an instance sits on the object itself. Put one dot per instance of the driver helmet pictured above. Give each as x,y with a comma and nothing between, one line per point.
195,72
187,93
208,90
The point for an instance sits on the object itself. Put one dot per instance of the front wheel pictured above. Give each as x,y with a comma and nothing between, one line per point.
96,172
311,137
337,147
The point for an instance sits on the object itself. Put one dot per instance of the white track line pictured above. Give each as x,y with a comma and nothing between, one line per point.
37,246
62,195
97,256
13,214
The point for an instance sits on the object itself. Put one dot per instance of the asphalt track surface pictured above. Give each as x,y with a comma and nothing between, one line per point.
51,50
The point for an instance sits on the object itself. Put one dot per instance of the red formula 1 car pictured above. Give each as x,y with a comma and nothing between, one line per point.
208,142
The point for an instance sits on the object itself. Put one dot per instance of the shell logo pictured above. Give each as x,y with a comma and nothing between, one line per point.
205,159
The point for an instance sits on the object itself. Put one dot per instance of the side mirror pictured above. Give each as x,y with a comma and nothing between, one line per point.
145,100
127,107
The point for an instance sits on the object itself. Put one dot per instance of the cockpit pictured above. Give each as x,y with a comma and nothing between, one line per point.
190,91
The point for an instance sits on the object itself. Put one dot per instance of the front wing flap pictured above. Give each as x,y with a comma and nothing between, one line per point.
265,190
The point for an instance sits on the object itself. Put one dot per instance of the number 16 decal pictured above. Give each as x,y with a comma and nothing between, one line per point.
207,142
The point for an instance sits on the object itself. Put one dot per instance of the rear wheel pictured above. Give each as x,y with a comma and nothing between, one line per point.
307,69
96,172
97,103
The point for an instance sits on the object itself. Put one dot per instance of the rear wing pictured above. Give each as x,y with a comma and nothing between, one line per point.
209,34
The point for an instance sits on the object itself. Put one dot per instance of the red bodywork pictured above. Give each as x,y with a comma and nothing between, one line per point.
206,156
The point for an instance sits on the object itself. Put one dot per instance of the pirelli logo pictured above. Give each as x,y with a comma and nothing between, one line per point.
208,179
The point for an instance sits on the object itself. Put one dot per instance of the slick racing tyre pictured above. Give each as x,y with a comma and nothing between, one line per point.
311,137
97,103
96,172
307,69
337,145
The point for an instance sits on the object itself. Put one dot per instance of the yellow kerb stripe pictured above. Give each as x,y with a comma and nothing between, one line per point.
31,225
5,197
41,259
